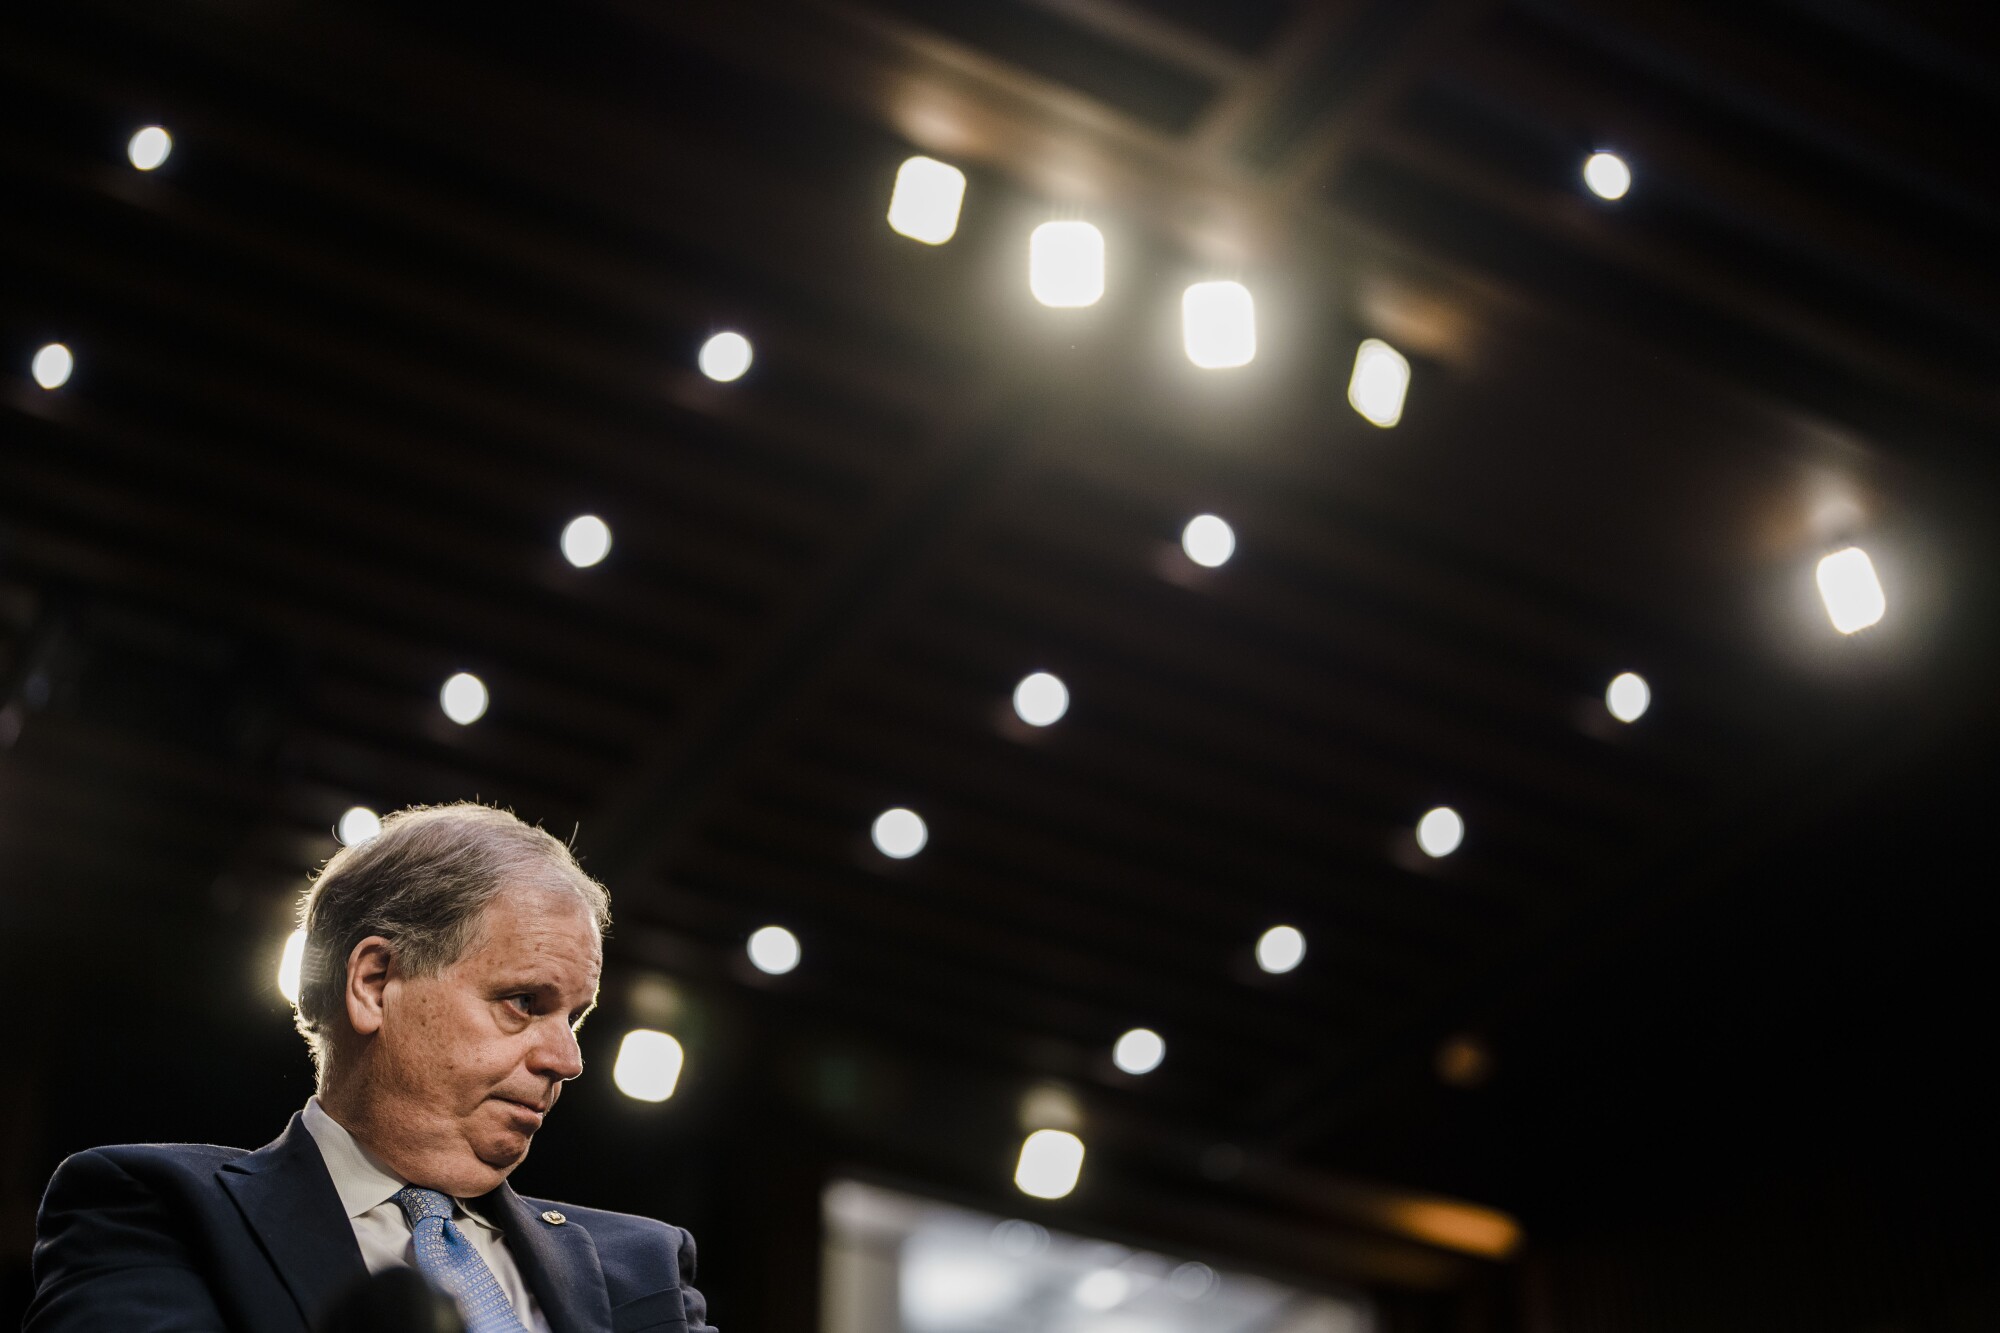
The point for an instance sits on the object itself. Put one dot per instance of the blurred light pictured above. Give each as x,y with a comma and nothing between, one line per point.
149,147
1465,1227
290,964
899,833
649,1065
1852,593
1464,1062
52,366
1440,831
725,357
357,826
1040,699
924,205
586,540
941,1289
1607,175
1380,382
1191,1281
1051,1161
1280,949
1628,696
1018,1239
1066,264
1139,1051
1219,325
1103,1289
775,950
1208,540
464,698
1049,1106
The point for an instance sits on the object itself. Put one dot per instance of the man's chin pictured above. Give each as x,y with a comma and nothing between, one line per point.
503,1152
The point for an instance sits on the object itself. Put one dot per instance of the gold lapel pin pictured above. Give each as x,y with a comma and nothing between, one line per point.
554,1218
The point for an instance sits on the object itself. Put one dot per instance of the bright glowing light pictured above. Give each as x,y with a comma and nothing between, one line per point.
586,540
775,950
899,833
1280,949
924,206
1208,540
1051,1161
1219,325
1139,1051
1066,264
290,964
52,366
725,357
649,1065
149,147
945,1290
1628,696
1380,382
464,698
357,826
1040,699
1103,1289
1607,175
1852,593
1440,831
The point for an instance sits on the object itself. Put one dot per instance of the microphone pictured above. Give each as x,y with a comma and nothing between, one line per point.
395,1300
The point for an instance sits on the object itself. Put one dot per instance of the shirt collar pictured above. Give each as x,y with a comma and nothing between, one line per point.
363,1181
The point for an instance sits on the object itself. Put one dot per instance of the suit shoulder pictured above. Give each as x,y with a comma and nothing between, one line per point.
599,1221
150,1159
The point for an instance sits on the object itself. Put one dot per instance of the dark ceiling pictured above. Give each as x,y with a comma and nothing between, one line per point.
416,288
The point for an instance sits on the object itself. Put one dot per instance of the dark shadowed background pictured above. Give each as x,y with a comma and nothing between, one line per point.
1701,1004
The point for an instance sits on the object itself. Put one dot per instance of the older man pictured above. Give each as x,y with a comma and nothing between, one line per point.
448,963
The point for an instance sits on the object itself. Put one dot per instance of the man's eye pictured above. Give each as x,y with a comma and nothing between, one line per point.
525,1003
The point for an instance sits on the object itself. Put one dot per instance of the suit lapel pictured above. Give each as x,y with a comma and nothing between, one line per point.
559,1262
285,1194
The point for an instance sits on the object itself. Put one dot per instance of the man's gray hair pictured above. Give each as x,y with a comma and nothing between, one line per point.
422,884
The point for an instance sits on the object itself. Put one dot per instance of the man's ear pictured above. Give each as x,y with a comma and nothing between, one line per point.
367,982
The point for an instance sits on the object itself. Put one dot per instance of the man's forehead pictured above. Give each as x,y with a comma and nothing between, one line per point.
530,919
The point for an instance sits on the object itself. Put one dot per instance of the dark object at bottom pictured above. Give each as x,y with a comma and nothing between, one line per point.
397,1300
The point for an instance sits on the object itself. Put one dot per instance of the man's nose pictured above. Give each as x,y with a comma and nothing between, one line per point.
557,1055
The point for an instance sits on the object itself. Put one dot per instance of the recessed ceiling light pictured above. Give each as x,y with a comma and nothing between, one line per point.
1139,1051
464,698
1628,696
1208,540
1440,831
1380,382
899,833
1853,595
1040,699
926,200
149,147
357,825
1607,175
52,366
1051,1161
725,357
586,540
1066,264
648,1066
774,950
1280,949
1219,325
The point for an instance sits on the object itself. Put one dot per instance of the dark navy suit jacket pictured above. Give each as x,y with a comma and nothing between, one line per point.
157,1237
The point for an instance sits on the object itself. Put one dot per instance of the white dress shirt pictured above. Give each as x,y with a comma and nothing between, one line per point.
367,1191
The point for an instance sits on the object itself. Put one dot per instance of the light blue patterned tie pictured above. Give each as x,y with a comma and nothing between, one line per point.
447,1258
